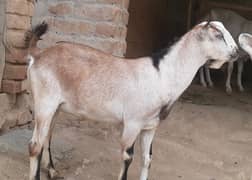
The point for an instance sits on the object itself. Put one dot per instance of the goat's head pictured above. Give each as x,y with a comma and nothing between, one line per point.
216,43
245,41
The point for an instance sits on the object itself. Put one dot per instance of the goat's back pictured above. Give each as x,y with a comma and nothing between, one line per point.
86,80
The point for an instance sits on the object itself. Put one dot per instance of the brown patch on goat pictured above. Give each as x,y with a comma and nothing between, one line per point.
76,69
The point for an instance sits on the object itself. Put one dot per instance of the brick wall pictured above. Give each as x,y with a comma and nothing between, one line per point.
2,49
98,23
18,14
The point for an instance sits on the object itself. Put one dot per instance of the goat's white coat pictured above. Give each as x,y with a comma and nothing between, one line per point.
245,42
235,24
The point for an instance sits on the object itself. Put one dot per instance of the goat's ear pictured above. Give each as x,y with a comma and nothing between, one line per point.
207,24
245,41
209,19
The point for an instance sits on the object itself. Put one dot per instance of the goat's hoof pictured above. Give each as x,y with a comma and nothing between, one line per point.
229,90
241,89
53,174
204,85
211,85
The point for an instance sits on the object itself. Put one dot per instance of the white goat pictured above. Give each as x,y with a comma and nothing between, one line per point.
245,42
235,24
137,93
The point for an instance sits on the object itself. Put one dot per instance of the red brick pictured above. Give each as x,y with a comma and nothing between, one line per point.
126,3
109,30
122,33
125,17
14,72
63,8
11,86
105,45
17,56
98,12
15,38
21,7
71,26
120,49
18,22
105,30
115,2
51,38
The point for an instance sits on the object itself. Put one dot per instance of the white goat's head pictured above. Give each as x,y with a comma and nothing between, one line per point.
217,43
245,41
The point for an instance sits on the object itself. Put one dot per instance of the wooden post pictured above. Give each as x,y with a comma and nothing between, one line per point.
189,15
230,6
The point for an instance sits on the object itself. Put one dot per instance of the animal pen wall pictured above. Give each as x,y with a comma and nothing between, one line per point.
119,27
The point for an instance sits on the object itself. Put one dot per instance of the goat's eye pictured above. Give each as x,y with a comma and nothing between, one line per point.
219,36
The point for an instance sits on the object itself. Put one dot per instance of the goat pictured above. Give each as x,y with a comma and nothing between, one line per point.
137,93
235,24
245,42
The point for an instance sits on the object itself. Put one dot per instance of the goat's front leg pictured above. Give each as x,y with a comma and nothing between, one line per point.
47,159
239,75
146,138
202,77
130,133
208,76
229,74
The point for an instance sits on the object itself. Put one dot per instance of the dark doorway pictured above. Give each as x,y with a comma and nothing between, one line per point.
153,24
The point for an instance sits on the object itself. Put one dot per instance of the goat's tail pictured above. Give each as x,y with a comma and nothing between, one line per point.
34,35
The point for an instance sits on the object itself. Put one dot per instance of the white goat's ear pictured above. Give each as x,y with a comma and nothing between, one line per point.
207,24
245,41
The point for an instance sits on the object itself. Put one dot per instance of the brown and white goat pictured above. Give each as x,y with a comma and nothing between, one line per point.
137,93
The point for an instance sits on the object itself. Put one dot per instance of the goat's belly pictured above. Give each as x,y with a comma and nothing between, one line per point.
98,114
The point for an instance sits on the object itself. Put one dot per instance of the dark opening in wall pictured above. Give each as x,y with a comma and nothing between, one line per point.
153,24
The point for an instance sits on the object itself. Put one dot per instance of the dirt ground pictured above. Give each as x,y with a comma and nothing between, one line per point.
208,136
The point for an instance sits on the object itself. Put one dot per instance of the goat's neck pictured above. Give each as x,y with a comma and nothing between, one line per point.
180,65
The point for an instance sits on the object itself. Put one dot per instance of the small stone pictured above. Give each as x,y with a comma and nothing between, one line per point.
85,163
241,176
218,164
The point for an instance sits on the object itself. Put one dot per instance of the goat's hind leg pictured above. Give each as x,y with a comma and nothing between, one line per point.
229,74
47,159
239,75
47,154
130,133
43,121
146,138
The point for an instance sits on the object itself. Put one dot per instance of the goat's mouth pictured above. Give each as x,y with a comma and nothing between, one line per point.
215,64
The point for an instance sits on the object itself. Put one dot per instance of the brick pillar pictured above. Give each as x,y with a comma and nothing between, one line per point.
2,49
100,24
18,15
